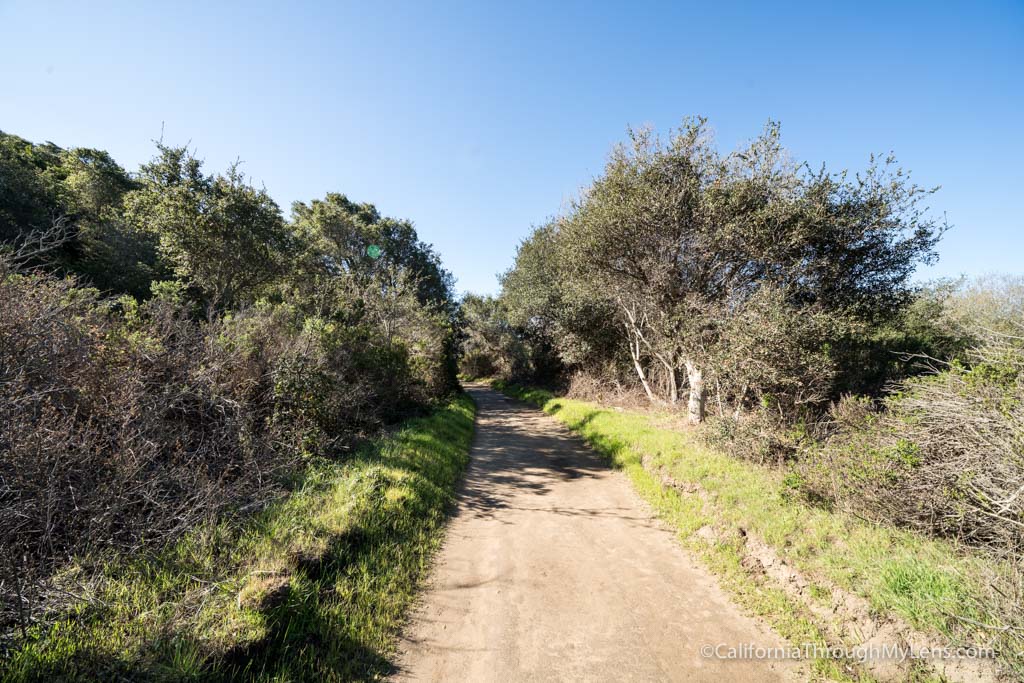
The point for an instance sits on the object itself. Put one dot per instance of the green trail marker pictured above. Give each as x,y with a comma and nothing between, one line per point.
373,251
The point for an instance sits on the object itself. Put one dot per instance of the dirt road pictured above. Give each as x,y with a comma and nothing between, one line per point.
555,570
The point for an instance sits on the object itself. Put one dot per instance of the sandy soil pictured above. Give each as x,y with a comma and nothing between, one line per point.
555,570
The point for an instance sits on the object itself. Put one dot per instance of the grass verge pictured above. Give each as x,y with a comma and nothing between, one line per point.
316,587
929,584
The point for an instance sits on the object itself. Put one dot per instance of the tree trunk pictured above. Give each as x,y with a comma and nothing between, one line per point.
635,337
643,380
739,402
635,354
695,409
641,374
673,390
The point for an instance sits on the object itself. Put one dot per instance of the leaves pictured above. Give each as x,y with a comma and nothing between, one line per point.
746,264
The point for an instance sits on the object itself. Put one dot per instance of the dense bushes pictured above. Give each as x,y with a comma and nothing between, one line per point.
490,347
129,416
941,451
121,431
945,455
125,424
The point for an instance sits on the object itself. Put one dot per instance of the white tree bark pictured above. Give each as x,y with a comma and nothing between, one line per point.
695,408
635,325
634,352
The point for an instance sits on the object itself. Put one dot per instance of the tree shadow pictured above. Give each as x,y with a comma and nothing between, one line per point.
519,450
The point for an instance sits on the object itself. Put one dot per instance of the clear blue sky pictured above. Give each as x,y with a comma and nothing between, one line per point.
477,120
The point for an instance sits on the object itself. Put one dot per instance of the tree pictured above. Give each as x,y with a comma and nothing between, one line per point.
220,233
679,239
82,191
345,238
109,252
567,327
29,197
380,268
92,183
490,345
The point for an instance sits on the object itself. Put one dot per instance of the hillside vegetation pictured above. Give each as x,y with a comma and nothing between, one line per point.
228,438
770,307
191,392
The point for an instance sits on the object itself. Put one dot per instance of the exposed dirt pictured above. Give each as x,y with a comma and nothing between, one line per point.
846,619
554,569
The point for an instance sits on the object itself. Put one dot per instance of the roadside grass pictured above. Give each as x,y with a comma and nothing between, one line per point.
930,584
316,587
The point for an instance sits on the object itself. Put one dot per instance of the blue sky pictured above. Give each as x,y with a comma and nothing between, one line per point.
478,120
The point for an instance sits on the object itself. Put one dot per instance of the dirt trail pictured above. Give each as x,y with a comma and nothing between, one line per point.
555,569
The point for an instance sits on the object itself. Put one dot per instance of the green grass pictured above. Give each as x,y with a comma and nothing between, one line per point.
314,588
920,580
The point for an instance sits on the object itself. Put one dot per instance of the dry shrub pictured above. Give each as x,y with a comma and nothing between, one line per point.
759,436
118,432
946,456
607,386
124,425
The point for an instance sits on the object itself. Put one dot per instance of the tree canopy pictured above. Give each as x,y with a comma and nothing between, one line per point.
677,252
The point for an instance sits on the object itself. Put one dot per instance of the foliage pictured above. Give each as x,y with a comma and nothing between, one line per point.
987,304
29,199
946,456
119,431
124,429
491,347
82,191
377,270
219,233
342,237
676,248
569,327
242,349
315,587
